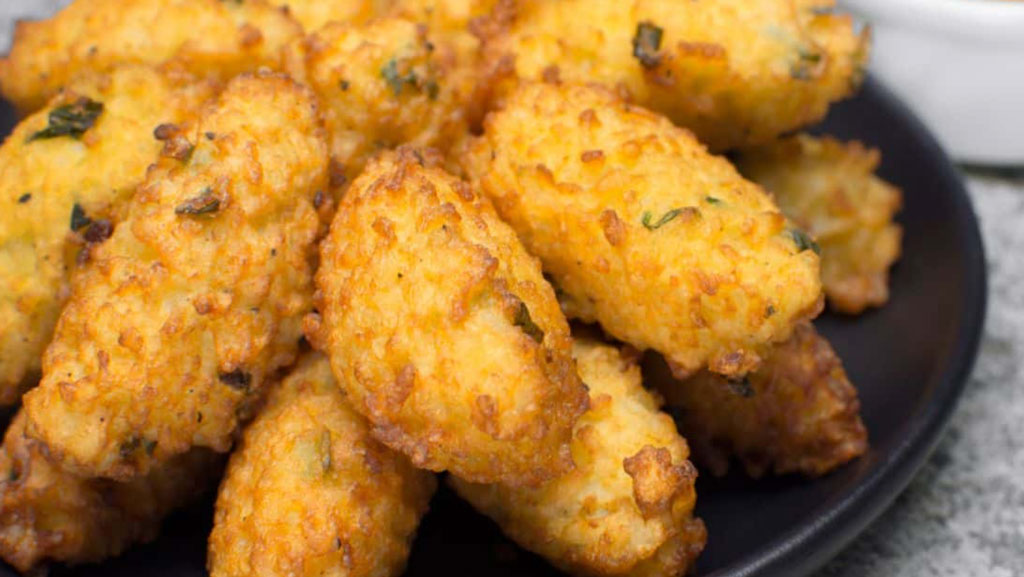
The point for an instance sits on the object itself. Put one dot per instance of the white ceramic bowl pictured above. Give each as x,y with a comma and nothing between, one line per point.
960,65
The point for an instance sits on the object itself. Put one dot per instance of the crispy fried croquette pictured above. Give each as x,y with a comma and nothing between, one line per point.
309,492
47,514
829,188
642,230
206,37
627,507
382,84
197,298
798,413
65,176
442,330
736,72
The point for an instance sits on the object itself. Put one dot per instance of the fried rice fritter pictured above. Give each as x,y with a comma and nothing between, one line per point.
442,330
310,493
65,176
642,230
47,514
829,188
736,72
197,298
627,508
206,37
382,84
798,413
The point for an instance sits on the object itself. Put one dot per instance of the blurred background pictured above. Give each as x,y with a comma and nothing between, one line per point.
960,65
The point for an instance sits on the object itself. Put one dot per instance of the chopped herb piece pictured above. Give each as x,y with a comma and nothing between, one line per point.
149,446
665,218
646,43
236,379
432,89
524,321
210,135
394,79
128,447
70,120
742,388
712,200
769,311
78,218
344,85
203,204
25,198
803,68
803,242
98,231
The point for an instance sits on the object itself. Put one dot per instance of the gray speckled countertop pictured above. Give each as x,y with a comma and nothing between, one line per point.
963,515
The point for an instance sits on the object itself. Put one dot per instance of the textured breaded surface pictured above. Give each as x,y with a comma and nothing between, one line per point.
736,72
43,180
382,84
442,330
214,38
309,492
643,230
315,14
830,189
627,507
47,514
198,297
797,414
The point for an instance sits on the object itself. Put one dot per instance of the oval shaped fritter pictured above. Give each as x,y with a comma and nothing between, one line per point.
642,230
442,330
308,492
183,315
627,508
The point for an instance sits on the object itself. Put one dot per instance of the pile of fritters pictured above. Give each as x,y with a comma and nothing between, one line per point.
325,249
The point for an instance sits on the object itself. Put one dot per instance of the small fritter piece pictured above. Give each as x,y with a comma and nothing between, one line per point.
315,14
65,176
310,493
442,330
47,514
736,72
829,188
627,507
206,37
798,413
197,298
382,85
644,231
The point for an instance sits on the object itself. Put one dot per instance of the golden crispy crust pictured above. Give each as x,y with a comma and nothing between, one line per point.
47,514
644,231
207,37
382,84
309,492
627,507
736,72
798,413
442,330
42,180
829,188
198,297
315,14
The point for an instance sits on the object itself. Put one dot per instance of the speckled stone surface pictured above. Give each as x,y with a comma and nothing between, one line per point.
963,515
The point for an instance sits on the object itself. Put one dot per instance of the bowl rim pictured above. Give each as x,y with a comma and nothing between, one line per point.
977,21
806,548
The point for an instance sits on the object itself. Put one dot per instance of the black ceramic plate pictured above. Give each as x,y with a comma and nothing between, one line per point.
910,361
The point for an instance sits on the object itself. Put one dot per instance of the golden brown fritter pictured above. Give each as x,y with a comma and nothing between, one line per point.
644,231
315,14
65,176
736,72
310,493
382,85
47,514
206,37
627,507
442,330
829,188
798,413
197,298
